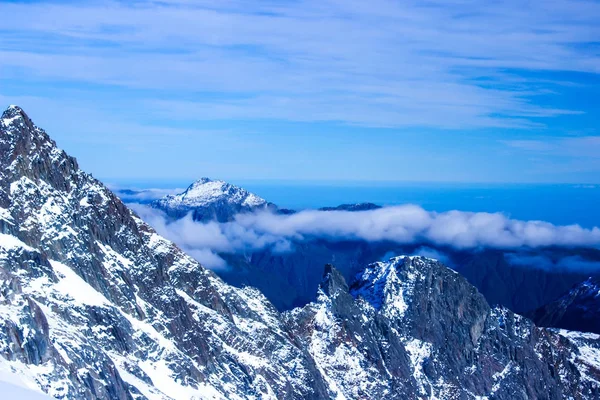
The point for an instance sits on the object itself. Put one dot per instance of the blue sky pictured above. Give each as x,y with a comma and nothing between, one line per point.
336,90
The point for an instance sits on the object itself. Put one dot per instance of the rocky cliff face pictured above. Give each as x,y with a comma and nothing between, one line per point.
95,304
412,328
207,200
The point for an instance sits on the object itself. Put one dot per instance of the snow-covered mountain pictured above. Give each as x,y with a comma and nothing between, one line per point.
208,199
412,328
289,278
95,305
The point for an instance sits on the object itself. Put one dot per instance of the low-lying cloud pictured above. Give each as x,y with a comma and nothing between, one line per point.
407,224
143,195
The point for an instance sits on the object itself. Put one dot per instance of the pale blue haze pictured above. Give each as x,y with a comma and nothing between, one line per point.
560,204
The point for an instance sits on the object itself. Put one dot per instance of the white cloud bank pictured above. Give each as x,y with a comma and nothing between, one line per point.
143,195
407,224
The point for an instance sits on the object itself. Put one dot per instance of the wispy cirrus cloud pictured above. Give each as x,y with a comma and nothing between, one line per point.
555,155
559,155
385,63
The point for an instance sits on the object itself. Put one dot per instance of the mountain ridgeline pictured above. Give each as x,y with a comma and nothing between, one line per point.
208,200
578,309
288,279
96,305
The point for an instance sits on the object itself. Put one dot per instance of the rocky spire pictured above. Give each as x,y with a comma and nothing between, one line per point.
27,151
333,282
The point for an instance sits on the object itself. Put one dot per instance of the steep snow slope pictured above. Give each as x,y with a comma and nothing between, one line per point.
18,386
94,304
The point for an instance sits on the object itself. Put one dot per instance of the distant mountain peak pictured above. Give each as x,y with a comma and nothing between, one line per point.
206,190
208,199
95,304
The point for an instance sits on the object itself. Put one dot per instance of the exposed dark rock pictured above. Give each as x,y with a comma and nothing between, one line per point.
578,309
415,329
96,305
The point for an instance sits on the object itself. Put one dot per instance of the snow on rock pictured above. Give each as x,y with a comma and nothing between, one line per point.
587,354
95,304
412,327
208,199
388,285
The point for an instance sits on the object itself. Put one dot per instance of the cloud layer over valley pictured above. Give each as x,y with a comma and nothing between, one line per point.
407,224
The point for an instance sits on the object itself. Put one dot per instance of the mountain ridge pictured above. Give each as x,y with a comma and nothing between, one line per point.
207,199
578,309
289,278
149,318
95,304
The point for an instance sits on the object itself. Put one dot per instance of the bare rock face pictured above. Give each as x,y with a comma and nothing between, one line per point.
96,305
413,328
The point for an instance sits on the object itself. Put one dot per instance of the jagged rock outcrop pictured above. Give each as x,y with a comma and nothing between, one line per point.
207,200
412,328
95,304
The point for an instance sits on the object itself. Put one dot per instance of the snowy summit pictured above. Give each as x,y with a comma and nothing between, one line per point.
96,305
208,199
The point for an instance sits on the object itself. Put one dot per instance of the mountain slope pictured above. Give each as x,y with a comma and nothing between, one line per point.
578,309
412,328
94,304
208,199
